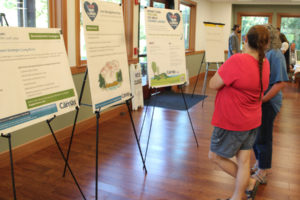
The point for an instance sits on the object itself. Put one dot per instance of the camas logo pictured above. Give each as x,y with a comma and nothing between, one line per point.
67,104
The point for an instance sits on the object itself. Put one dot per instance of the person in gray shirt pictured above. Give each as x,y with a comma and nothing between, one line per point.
234,42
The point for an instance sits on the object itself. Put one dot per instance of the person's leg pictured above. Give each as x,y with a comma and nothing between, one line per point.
263,143
225,164
242,177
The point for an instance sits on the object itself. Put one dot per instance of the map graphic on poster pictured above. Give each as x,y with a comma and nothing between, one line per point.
106,53
165,47
35,77
214,42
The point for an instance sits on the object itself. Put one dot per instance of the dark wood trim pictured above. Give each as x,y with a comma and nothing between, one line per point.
58,17
83,62
43,142
128,23
194,52
258,14
193,27
188,3
78,69
64,21
55,13
133,61
187,53
77,32
52,16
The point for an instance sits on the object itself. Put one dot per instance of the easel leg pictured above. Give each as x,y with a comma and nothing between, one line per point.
97,144
187,110
75,120
71,140
204,83
198,76
8,136
151,124
137,140
141,130
62,154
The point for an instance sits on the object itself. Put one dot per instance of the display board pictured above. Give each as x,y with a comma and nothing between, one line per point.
214,42
165,47
106,53
35,77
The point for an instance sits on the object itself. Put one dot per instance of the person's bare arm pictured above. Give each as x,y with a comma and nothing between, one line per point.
273,91
216,82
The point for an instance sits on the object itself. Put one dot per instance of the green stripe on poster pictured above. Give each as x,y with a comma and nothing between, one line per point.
46,99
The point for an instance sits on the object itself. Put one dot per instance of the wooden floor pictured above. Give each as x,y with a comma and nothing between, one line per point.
176,168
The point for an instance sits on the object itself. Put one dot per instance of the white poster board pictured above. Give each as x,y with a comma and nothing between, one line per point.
214,42
106,53
35,77
165,47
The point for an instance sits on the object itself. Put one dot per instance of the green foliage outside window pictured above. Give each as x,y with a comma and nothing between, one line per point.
17,14
186,15
248,22
290,26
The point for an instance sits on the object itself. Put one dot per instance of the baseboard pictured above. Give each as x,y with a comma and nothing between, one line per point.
43,142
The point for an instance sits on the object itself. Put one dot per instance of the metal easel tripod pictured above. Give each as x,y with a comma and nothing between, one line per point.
3,18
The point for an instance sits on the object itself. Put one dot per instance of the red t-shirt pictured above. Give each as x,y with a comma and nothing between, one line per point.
237,104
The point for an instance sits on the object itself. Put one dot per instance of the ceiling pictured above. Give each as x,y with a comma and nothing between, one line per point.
273,2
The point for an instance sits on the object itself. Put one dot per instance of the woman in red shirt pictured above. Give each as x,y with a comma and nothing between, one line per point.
240,83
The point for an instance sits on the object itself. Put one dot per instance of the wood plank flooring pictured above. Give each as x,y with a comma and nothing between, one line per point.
177,170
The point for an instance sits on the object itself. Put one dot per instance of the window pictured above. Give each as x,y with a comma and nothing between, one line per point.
188,9
26,13
186,15
142,40
247,20
159,5
290,26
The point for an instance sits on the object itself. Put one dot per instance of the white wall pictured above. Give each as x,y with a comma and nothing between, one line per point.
203,14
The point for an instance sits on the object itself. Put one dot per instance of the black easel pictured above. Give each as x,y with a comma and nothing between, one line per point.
62,154
8,136
97,113
75,120
198,75
154,105
2,17
205,77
